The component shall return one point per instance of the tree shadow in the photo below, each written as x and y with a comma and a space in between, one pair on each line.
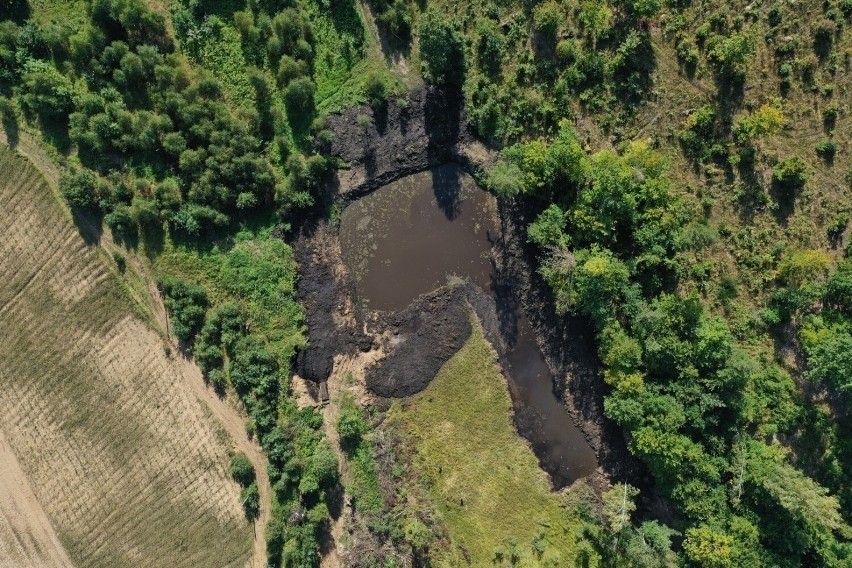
446, 186
89, 225
12, 129
785, 199
16, 10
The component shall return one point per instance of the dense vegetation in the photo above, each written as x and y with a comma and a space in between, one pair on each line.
687, 166
167, 155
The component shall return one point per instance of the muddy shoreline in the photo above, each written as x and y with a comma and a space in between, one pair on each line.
430, 132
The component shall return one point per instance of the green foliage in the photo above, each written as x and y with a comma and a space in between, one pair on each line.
705, 546
839, 287
731, 55
618, 506
397, 16
80, 188
299, 96
505, 179
548, 230
790, 174
547, 18
351, 426
186, 303
441, 48
765, 121
829, 357
242, 470
376, 89
45, 92
826, 149
698, 134
250, 499
120, 261
550, 170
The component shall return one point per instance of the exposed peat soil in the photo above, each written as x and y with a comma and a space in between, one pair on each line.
513, 303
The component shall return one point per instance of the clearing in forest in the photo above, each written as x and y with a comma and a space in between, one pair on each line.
125, 460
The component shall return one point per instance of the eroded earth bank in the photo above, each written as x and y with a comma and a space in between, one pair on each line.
417, 248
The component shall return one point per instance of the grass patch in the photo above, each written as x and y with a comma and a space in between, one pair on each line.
363, 472
483, 478
66, 12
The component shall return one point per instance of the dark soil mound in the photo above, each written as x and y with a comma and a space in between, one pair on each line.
322, 292
398, 140
426, 335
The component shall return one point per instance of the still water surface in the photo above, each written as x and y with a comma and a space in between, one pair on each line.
407, 238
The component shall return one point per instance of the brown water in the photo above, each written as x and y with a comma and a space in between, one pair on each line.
410, 237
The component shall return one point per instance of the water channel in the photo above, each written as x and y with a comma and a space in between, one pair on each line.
407, 238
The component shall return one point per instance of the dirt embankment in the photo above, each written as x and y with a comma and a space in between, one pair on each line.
380, 145
420, 339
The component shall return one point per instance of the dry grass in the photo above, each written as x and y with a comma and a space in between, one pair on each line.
123, 456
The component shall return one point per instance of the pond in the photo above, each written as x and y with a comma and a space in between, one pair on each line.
407, 238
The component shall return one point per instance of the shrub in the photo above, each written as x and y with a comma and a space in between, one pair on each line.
299, 95
251, 501
397, 17
826, 149
186, 303
242, 470
46, 93
350, 426
505, 179
829, 115
790, 173
120, 221
839, 287
547, 17
731, 55
375, 89
289, 69
824, 37
79, 188
765, 121
120, 261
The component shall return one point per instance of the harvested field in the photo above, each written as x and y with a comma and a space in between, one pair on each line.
27, 538
128, 464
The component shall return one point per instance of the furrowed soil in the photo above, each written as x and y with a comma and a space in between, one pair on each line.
125, 460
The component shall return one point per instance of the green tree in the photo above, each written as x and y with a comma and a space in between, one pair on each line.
351, 425
441, 48
186, 303
619, 503
299, 95
708, 548
376, 89
242, 470
45, 92
505, 179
